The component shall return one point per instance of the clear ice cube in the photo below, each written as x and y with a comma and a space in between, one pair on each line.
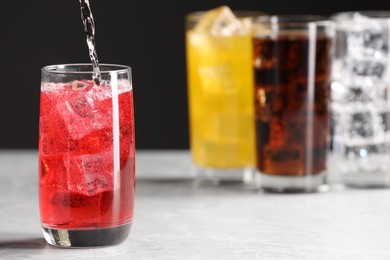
372, 158
221, 21
217, 79
85, 111
89, 174
373, 96
385, 118
364, 125
365, 151
52, 139
367, 68
364, 72
361, 125
356, 94
368, 42
359, 96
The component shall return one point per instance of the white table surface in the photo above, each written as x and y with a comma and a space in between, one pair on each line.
176, 220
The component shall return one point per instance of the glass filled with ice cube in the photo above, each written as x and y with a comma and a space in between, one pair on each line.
360, 99
220, 93
292, 62
86, 155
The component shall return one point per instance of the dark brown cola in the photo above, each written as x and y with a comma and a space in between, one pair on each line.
292, 120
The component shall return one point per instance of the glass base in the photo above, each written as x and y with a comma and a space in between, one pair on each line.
214, 176
87, 237
293, 184
366, 179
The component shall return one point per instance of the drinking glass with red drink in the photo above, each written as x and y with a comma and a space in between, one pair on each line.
86, 155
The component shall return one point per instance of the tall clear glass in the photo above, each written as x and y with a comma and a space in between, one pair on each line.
292, 62
86, 155
220, 93
360, 98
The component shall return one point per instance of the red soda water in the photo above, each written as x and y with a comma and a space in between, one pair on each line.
86, 161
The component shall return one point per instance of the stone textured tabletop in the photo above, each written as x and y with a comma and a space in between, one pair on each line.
176, 220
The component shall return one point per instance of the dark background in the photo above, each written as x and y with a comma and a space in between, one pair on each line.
147, 35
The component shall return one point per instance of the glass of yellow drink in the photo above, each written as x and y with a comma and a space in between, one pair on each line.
220, 93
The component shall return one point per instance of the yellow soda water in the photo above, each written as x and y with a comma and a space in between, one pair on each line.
221, 102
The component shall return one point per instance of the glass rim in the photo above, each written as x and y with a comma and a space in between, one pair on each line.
370, 14
194, 16
61, 68
296, 19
